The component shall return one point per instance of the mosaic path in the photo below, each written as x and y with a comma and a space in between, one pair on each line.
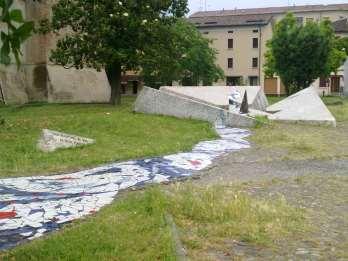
33, 206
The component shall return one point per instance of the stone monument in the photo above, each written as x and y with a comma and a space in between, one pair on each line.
53, 140
244, 107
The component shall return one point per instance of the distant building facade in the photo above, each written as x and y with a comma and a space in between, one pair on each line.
240, 37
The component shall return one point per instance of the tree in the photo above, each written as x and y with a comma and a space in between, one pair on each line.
299, 54
109, 34
341, 43
15, 32
338, 54
186, 57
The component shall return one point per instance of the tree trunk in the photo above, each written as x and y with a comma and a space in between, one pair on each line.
113, 72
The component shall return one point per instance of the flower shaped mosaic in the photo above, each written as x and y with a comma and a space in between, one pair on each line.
33, 206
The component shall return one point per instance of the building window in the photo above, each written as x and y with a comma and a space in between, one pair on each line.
326, 18
210, 22
299, 20
230, 62
255, 31
135, 87
123, 88
230, 32
234, 81
323, 82
205, 32
255, 42
230, 43
309, 19
253, 80
255, 62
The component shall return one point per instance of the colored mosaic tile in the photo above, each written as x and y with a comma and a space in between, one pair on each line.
33, 206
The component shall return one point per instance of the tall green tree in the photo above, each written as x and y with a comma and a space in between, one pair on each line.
109, 34
14, 32
186, 56
338, 54
299, 54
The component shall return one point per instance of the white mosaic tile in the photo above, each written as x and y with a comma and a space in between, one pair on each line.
33, 206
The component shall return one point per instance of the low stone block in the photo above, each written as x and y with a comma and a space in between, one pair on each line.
53, 140
159, 102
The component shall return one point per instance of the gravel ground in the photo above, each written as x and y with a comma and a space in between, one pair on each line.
260, 164
318, 186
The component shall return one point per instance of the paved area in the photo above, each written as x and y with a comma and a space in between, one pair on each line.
33, 206
303, 106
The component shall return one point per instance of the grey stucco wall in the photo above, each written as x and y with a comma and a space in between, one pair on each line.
77, 86
38, 79
54, 84
153, 101
13, 84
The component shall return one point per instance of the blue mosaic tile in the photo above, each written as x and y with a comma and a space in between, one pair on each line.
33, 206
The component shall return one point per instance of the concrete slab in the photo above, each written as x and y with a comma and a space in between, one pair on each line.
304, 106
160, 102
218, 95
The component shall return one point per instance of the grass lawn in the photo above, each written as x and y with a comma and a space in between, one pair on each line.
120, 134
298, 141
274, 99
135, 227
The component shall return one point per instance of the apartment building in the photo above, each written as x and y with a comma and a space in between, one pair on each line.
240, 36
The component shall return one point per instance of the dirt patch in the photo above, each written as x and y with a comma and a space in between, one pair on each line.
318, 186
257, 164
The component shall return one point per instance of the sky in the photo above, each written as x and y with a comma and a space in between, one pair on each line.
197, 5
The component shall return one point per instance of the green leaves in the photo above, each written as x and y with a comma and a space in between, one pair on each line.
5, 49
299, 54
18, 31
24, 31
16, 16
185, 56
105, 32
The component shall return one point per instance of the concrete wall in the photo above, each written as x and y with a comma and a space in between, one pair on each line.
13, 84
153, 101
77, 86
38, 79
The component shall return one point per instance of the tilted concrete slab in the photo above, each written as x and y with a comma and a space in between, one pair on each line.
218, 95
304, 106
160, 102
